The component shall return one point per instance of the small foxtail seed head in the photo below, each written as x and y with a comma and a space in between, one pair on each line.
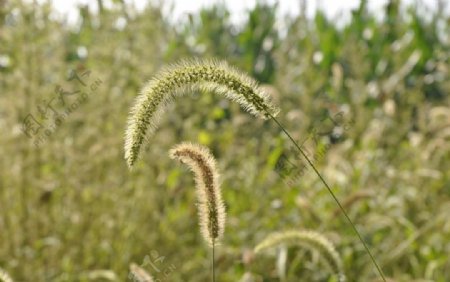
307, 239
139, 274
188, 76
211, 209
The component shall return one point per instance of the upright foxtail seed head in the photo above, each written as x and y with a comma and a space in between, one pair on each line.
211, 209
4, 276
307, 239
188, 76
139, 274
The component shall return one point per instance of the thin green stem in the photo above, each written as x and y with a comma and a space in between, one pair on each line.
213, 265
333, 195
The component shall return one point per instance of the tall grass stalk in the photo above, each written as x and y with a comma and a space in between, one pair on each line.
372, 258
217, 77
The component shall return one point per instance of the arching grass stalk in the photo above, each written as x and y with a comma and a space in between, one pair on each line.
182, 78
308, 239
372, 258
219, 78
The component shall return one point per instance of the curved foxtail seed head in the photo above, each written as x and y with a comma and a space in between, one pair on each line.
139, 274
188, 76
307, 239
4, 276
211, 209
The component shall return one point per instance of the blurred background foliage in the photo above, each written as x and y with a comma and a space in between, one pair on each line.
70, 210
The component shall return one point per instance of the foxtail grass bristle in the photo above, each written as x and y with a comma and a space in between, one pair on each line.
189, 76
308, 239
139, 274
4, 276
211, 209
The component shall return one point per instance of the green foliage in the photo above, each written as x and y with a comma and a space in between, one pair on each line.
71, 211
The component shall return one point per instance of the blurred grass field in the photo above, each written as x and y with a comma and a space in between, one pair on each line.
70, 210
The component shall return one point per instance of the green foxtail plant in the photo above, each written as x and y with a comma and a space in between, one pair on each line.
211, 209
217, 77
307, 239
186, 77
